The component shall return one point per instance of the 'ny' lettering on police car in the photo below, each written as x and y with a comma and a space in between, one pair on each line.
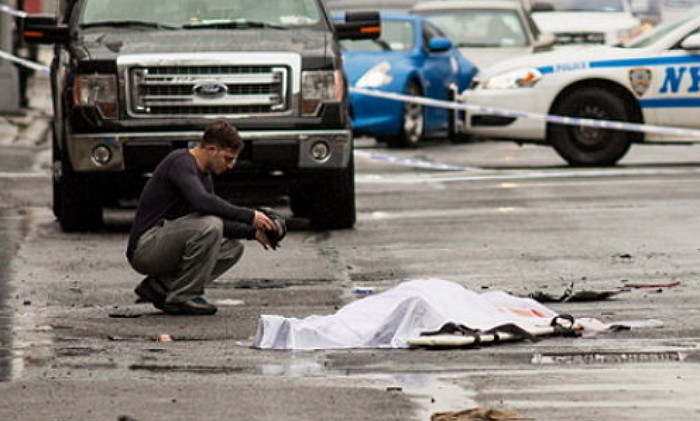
675, 75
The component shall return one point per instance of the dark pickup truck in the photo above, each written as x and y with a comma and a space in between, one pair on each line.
134, 79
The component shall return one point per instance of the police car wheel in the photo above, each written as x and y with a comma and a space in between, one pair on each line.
589, 146
412, 122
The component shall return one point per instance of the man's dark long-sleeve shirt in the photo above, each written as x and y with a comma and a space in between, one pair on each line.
177, 188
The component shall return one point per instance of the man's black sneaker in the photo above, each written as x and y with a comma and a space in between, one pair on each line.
194, 307
147, 293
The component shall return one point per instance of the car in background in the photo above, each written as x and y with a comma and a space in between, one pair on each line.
648, 11
589, 22
651, 80
675, 9
412, 57
396, 6
486, 31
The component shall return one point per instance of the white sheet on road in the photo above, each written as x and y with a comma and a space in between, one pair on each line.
389, 319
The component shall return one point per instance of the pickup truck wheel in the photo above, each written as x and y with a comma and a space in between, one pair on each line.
412, 122
333, 203
80, 209
589, 146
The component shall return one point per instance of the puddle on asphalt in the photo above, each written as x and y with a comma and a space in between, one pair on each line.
431, 392
298, 368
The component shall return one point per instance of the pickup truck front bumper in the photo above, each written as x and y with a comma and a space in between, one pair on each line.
104, 152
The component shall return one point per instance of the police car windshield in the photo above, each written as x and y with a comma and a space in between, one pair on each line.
651, 37
202, 13
480, 27
587, 5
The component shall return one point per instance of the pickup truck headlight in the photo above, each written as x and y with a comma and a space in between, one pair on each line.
521, 78
320, 86
99, 91
376, 77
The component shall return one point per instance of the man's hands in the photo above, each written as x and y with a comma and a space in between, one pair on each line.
263, 240
269, 237
263, 222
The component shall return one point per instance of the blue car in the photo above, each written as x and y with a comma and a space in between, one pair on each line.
411, 57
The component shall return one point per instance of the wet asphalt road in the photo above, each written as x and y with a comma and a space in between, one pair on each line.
6, 344
75, 346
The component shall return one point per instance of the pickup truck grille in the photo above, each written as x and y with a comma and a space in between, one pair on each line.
208, 90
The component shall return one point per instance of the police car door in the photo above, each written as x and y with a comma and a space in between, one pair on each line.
676, 88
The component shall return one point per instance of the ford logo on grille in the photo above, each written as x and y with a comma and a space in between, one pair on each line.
210, 89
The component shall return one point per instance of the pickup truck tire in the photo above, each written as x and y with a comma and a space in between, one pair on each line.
330, 205
588, 146
412, 121
76, 201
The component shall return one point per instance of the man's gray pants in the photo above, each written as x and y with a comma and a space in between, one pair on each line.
185, 255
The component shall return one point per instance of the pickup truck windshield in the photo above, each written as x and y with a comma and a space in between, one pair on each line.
587, 5
205, 13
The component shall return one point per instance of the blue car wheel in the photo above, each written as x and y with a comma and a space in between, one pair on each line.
412, 122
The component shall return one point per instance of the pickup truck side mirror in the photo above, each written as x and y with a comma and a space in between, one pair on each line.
43, 29
359, 25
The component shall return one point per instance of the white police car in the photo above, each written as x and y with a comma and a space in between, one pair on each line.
652, 80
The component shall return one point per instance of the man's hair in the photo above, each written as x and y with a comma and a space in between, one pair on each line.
222, 134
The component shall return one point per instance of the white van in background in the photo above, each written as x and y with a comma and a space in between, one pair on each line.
649, 11
673, 9
588, 22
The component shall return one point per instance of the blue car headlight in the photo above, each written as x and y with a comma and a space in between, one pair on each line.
376, 77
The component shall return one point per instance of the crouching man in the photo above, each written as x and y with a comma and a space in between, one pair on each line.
184, 236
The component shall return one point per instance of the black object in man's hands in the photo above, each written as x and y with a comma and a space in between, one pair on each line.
276, 235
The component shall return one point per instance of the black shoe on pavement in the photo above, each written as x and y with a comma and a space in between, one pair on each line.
147, 293
194, 307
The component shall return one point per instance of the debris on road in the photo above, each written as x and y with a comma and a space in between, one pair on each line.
652, 285
479, 414
126, 314
361, 291
590, 325
570, 295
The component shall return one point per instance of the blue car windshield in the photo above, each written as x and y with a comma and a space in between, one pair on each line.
201, 13
397, 35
